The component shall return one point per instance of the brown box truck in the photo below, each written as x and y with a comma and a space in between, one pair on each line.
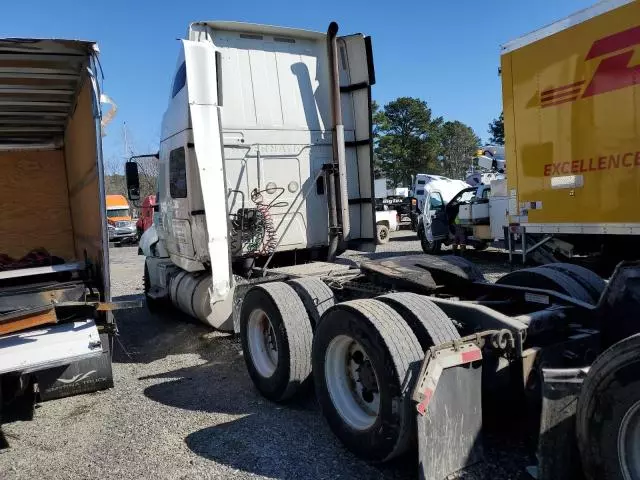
54, 268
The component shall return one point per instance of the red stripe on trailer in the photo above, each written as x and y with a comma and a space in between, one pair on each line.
562, 88
438, 362
471, 356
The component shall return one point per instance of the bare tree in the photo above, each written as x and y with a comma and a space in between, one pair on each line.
148, 174
458, 146
115, 181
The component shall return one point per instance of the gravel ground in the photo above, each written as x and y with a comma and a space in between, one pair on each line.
184, 408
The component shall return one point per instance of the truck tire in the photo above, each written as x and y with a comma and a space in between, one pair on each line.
152, 304
547, 279
608, 414
316, 296
430, 247
276, 336
427, 321
585, 277
382, 234
471, 271
362, 353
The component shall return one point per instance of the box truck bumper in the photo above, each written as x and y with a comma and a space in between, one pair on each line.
45, 348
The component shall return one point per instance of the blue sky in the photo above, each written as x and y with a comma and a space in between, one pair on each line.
445, 52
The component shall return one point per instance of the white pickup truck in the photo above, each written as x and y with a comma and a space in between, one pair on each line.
386, 222
481, 210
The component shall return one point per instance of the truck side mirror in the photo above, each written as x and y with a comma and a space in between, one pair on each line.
133, 180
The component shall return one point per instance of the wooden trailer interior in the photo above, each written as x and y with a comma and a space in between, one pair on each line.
34, 201
83, 181
49, 179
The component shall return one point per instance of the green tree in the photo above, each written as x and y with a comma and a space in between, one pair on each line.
496, 129
406, 139
458, 143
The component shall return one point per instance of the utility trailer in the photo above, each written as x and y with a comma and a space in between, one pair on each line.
403, 349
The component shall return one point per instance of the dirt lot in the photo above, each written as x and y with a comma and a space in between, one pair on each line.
184, 408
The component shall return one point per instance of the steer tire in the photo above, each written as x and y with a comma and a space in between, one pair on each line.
152, 304
394, 354
430, 247
316, 296
610, 393
589, 280
429, 323
292, 334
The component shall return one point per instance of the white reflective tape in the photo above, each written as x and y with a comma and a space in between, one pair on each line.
567, 181
536, 298
442, 360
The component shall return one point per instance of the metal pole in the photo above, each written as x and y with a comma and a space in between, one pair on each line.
259, 166
334, 238
339, 154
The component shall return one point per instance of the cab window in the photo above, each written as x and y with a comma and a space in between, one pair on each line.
180, 80
177, 174
435, 202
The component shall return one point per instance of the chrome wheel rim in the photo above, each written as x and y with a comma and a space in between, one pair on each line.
352, 382
263, 346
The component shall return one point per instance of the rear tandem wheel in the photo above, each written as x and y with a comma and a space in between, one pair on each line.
589, 280
362, 352
276, 336
547, 279
316, 296
608, 414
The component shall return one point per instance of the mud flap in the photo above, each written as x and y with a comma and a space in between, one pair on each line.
449, 416
83, 376
558, 455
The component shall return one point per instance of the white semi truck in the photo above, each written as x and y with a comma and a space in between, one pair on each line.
265, 166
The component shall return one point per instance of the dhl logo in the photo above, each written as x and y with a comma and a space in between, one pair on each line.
611, 74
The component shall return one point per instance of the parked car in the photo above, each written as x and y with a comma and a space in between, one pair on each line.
146, 215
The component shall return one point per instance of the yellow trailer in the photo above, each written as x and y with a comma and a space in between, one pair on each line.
571, 94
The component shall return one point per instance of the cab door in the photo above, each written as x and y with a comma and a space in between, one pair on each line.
175, 199
436, 212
